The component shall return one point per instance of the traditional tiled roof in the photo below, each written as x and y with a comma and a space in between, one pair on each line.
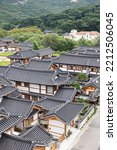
45, 51
6, 39
3, 69
95, 94
16, 106
38, 135
23, 54
86, 51
36, 76
3, 112
50, 103
8, 122
8, 142
18, 64
7, 87
4, 81
66, 112
65, 94
25, 44
39, 64
94, 82
70, 59
5, 90
15, 94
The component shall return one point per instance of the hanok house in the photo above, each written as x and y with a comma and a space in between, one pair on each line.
5, 42
34, 84
28, 112
3, 47
91, 86
41, 65
62, 118
78, 63
23, 56
83, 50
45, 53
8, 142
50, 103
7, 89
24, 46
91, 90
94, 97
40, 137
8, 122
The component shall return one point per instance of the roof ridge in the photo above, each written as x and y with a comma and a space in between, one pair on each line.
19, 99
17, 138
44, 71
31, 128
1, 75
73, 55
53, 99
62, 105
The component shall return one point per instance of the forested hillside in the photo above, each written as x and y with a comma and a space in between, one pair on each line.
81, 18
21, 9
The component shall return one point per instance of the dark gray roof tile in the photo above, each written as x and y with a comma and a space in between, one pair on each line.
94, 81
50, 103
15, 94
39, 64
37, 134
23, 54
8, 122
45, 51
36, 76
16, 106
3, 112
5, 90
65, 94
29, 76
4, 81
3, 69
66, 112
77, 60
8, 142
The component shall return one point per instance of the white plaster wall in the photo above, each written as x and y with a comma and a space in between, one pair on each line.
56, 127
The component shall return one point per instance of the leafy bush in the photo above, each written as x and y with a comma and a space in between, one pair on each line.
76, 85
82, 77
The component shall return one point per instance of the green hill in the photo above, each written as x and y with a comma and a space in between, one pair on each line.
21, 9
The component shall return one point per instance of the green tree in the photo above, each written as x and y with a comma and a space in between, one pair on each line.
8, 26
35, 45
57, 42
76, 85
3, 33
82, 77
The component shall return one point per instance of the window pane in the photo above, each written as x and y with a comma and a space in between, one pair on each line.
50, 89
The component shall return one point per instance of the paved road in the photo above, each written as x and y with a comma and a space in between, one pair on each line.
90, 140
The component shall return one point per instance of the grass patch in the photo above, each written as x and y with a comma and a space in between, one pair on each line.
4, 63
6, 54
56, 55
